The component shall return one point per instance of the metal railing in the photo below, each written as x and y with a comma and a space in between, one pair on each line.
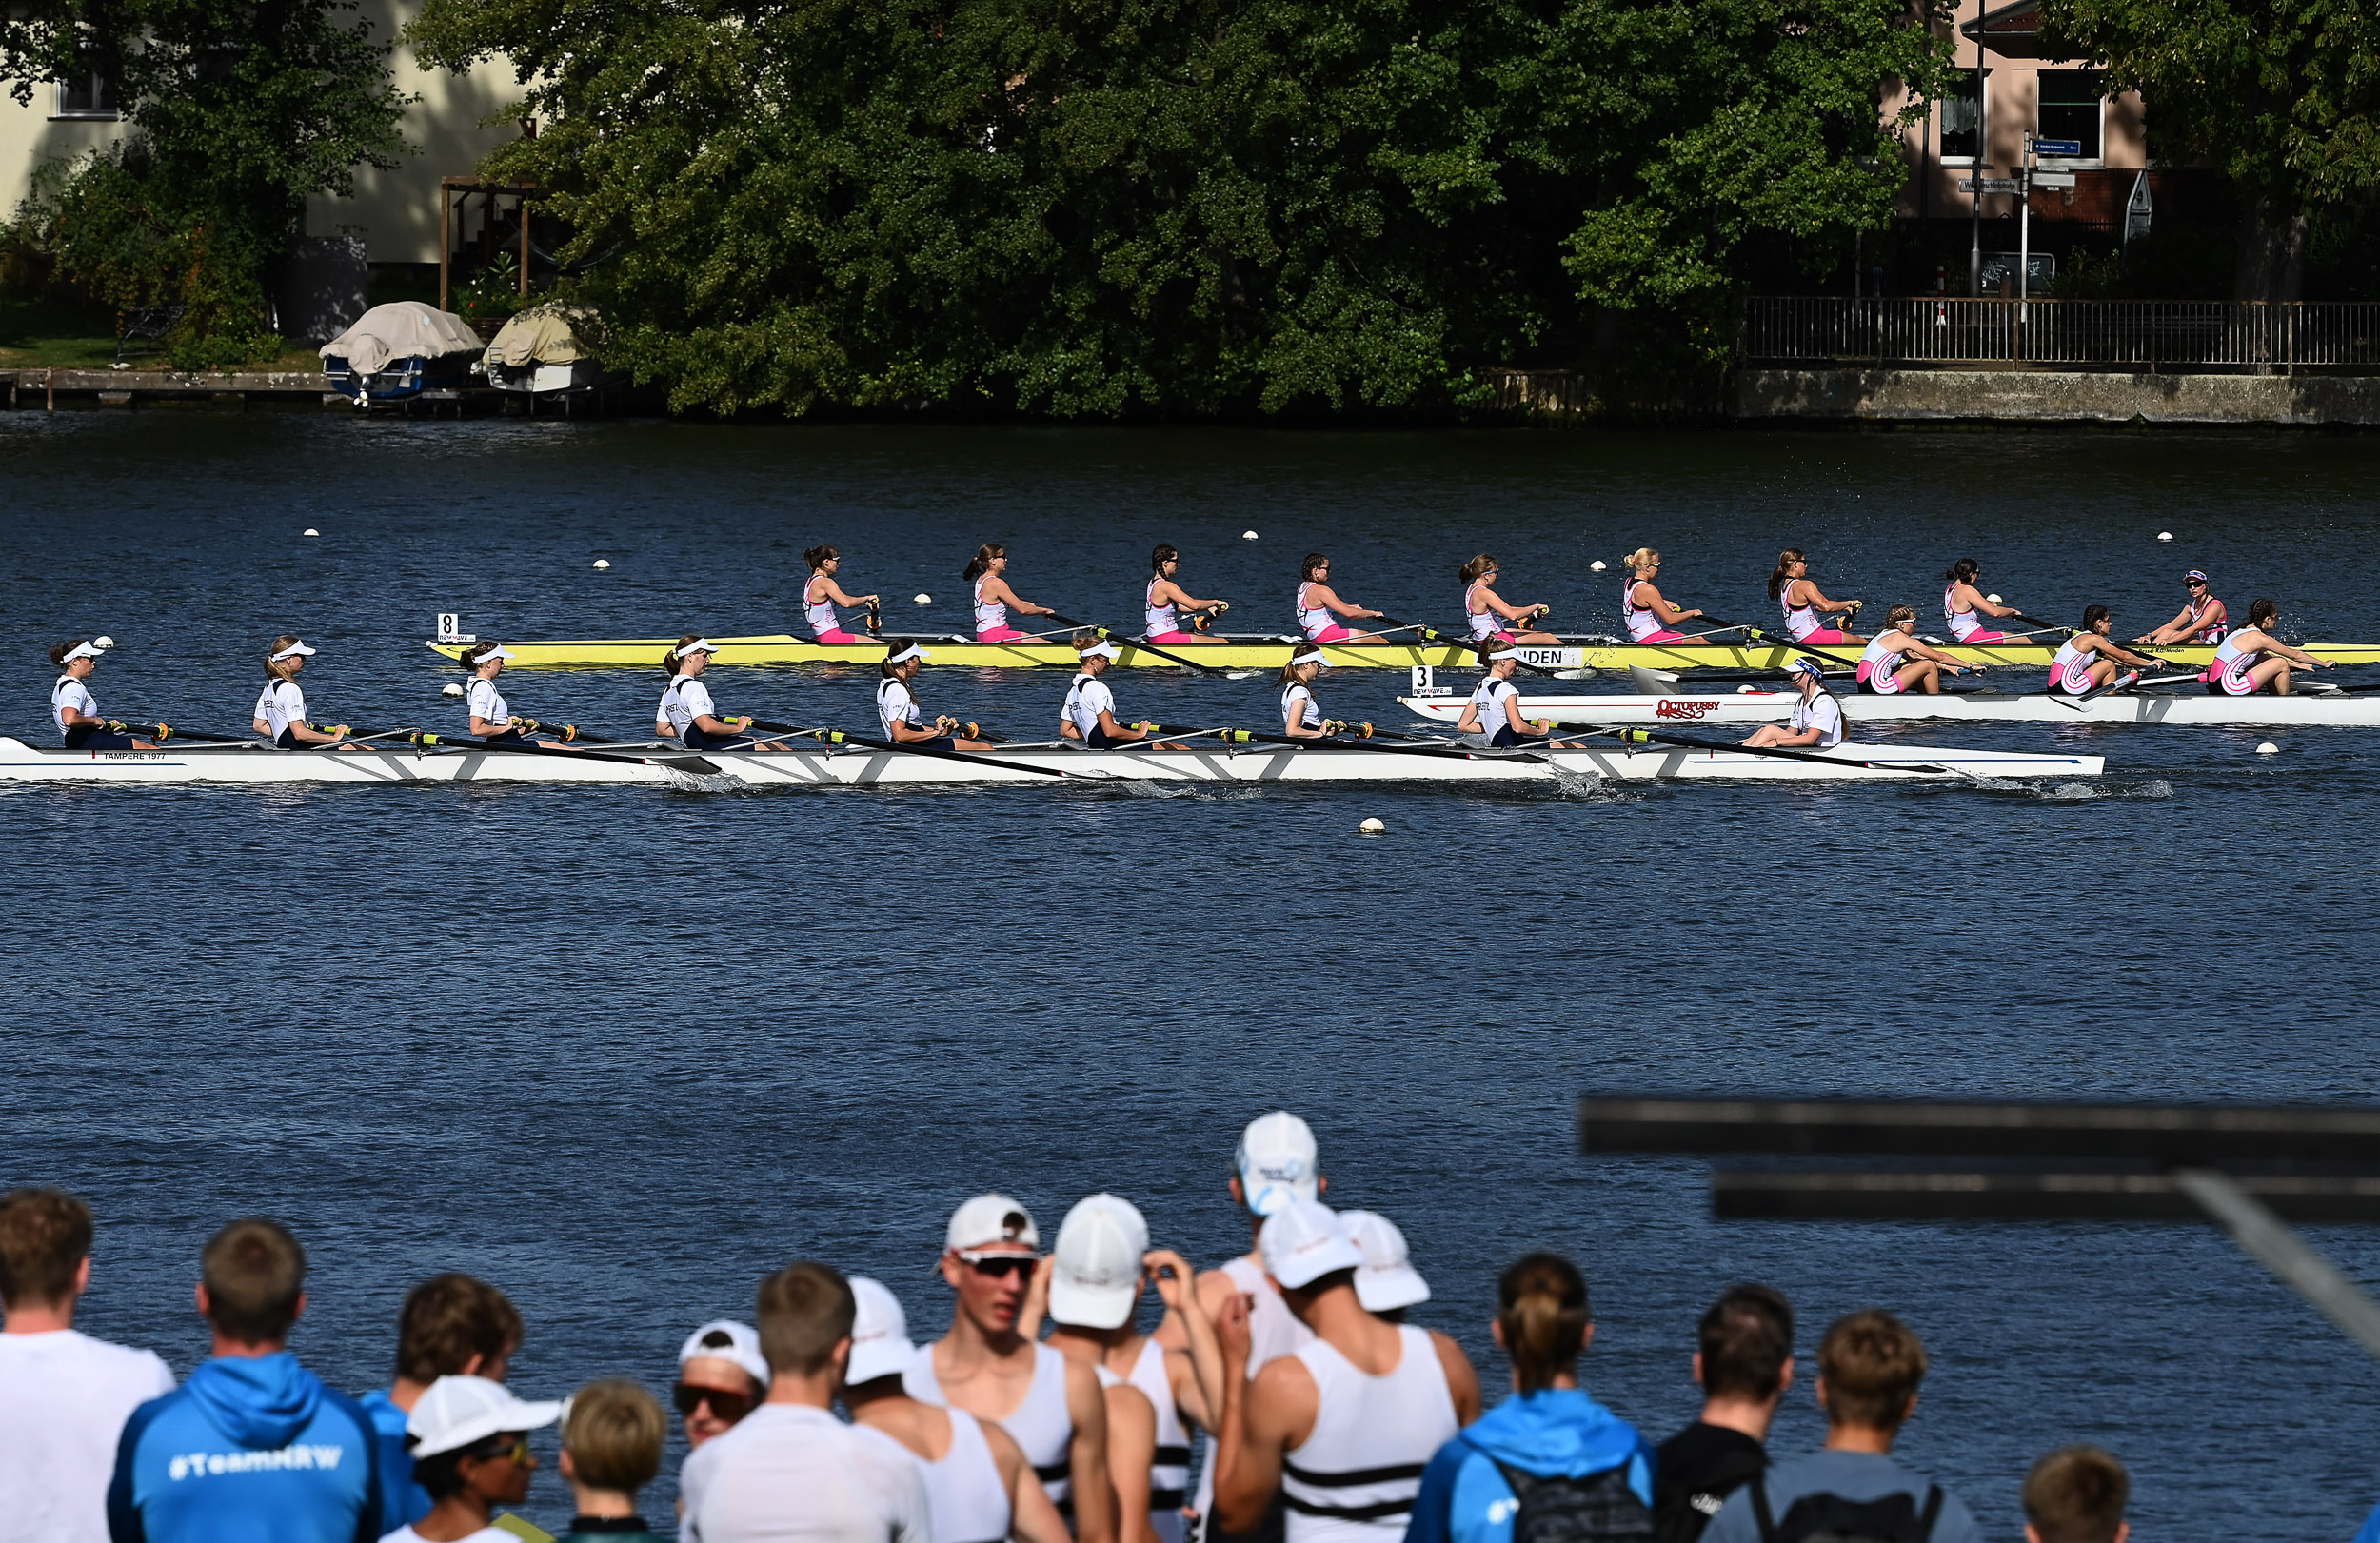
2153, 334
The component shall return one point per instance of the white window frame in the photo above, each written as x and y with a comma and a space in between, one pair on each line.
1983, 120
2082, 163
64, 113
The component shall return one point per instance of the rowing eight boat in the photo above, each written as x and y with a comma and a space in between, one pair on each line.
875, 768
1748, 705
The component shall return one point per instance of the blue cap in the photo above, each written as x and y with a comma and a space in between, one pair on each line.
1807, 666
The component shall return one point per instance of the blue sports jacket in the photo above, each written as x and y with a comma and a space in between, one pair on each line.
1553, 1433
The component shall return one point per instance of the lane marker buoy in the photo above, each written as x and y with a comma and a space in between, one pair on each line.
1595, 566
103, 643
312, 531
1247, 535
2268, 748
452, 688
1372, 826
601, 562
923, 599
2165, 535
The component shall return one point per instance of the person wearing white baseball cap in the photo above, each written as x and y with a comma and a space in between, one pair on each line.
281, 710
978, 1488
469, 1438
1343, 1427
1100, 1266
1386, 1283
988, 1367
72, 707
1089, 714
721, 1377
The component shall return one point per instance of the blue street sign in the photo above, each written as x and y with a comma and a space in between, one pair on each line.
2058, 147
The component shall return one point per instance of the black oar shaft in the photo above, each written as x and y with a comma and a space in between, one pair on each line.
1144, 646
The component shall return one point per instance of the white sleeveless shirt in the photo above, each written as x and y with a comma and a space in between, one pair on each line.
1353, 1479
71, 692
1315, 620
1273, 1333
820, 613
280, 705
1169, 1469
1156, 618
485, 701
1043, 1425
963, 1489
989, 616
1291, 694
1642, 624
1800, 620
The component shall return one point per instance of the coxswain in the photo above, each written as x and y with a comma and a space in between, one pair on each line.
687, 713
993, 597
2202, 618
1818, 720
492, 717
1963, 603
1494, 710
2090, 659
1301, 717
281, 710
897, 706
72, 707
820, 595
1090, 710
2253, 659
1900, 660
1806, 608
1486, 611
1316, 602
1650, 616
1165, 600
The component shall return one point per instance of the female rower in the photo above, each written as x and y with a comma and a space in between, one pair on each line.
1650, 617
897, 706
281, 711
820, 595
1495, 706
1882, 672
2251, 658
1818, 720
1161, 622
2076, 673
1805, 607
1300, 715
492, 717
2202, 618
1962, 601
687, 713
1316, 600
72, 707
993, 597
1090, 710
1485, 610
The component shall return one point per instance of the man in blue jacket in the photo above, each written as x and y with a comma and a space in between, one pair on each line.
253, 1448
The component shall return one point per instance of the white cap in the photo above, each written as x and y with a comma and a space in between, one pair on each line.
1096, 1279
904, 656
1103, 649
1388, 1278
90, 651
880, 1333
700, 646
1303, 1241
1278, 1163
297, 650
454, 1412
991, 1219
730, 1342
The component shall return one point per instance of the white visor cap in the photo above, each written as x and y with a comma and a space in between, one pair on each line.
730, 1342
904, 655
83, 650
880, 1333
1303, 1241
1387, 1278
295, 650
1278, 1163
1310, 657
700, 646
499, 651
991, 1219
455, 1411
1103, 649
1095, 1282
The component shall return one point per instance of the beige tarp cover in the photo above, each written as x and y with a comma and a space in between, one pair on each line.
540, 335
399, 331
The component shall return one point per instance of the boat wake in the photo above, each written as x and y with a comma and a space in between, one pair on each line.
2156, 787
687, 781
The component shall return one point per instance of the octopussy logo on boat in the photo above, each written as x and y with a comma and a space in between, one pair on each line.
1680, 707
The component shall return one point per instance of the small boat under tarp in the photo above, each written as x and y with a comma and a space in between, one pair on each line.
542, 350
397, 351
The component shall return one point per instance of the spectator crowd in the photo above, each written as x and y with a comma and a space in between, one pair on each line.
1326, 1416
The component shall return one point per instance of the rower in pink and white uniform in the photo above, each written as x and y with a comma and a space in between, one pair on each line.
2254, 660
1161, 605
1899, 660
820, 595
1963, 604
2202, 619
993, 597
1316, 602
1806, 608
1486, 611
1650, 616
2090, 659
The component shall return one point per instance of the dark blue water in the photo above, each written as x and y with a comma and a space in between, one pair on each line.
622, 1051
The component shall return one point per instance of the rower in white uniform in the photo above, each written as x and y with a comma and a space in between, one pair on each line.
1899, 660
1494, 710
1318, 603
988, 572
820, 595
2202, 618
1818, 720
1089, 713
1343, 1427
281, 710
2254, 659
1164, 601
978, 1488
72, 707
897, 705
1805, 604
492, 717
1648, 613
1964, 605
2090, 659
1056, 1409
686, 712
1300, 715
1094, 1280
1487, 613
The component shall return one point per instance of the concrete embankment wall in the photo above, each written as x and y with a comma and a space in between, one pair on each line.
2049, 395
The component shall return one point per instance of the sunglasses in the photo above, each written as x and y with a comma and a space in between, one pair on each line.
518, 1452
2193, 584
993, 1266
731, 1407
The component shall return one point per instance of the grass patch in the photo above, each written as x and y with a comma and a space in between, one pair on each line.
43, 331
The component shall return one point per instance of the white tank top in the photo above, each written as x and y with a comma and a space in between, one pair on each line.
821, 612
2070, 671
963, 1494
1877, 667
1084, 702
1273, 1333
1642, 622
1489, 695
1291, 694
485, 701
1169, 1470
1156, 618
1316, 620
1355, 1479
2231, 667
1041, 1425
687, 700
71, 692
280, 705
989, 617
1800, 620
894, 705
2197, 609
1963, 624
1485, 623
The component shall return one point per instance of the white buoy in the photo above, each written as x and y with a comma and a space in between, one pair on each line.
922, 598
452, 688
103, 643
1372, 826
2268, 748
1994, 599
2165, 535
1247, 535
1595, 566
312, 531
601, 562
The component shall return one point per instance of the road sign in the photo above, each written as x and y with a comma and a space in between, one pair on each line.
1990, 185
2058, 147
2053, 179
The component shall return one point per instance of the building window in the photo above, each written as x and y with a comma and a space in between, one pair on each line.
87, 96
1962, 119
2070, 109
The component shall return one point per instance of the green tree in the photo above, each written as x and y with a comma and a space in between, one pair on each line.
240, 110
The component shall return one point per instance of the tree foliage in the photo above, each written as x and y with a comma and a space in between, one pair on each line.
1113, 207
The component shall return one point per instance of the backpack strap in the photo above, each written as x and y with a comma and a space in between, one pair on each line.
1934, 1510
1760, 1511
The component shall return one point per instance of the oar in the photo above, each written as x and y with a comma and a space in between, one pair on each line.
1755, 635
1646, 736
964, 731
163, 732
1152, 649
1247, 736
838, 736
465, 741
1434, 635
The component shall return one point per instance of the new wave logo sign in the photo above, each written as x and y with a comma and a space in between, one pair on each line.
300, 1455
1682, 710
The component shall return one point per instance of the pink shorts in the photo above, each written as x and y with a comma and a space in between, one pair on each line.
1665, 635
1981, 639
1001, 635
838, 635
1334, 633
1824, 635
1163, 638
